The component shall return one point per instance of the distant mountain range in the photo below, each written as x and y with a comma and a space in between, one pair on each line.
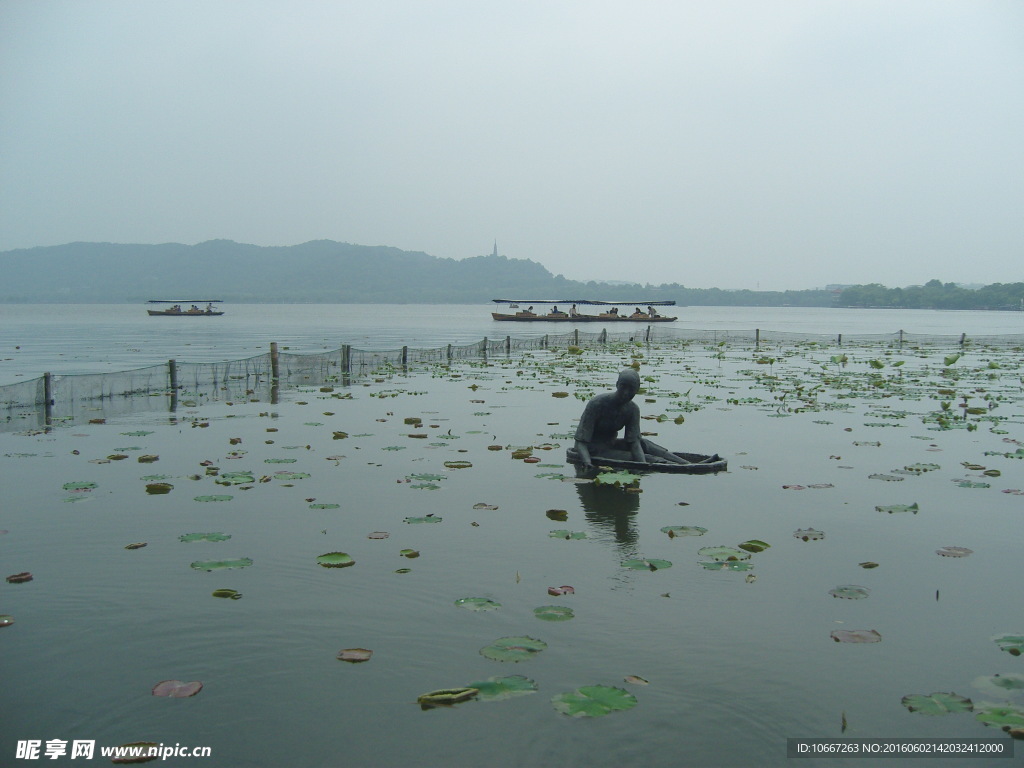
320, 271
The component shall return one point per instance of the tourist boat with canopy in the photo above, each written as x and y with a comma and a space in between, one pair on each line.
195, 308
608, 311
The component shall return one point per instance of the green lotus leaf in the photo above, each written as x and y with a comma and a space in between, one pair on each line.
728, 565
972, 484
335, 560
498, 688
920, 468
912, 508
419, 520
593, 701
426, 486
723, 553
477, 604
279, 461
616, 478
684, 530
1012, 644
887, 478
223, 497
458, 464
204, 537
230, 594
954, 551
137, 433
220, 565
553, 613
514, 649
289, 476
409, 553
324, 506
155, 478
1000, 684
80, 486
1002, 717
808, 534
428, 477
850, 592
237, 478
937, 703
640, 564
158, 488
567, 534
754, 545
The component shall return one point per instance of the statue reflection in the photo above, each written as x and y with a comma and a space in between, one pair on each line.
611, 512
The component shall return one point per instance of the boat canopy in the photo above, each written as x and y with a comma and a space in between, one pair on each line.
185, 301
644, 303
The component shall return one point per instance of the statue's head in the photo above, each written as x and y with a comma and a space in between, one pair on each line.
628, 383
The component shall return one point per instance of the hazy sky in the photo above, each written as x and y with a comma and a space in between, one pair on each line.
737, 144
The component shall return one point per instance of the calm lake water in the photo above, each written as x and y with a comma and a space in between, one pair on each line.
860, 451
90, 338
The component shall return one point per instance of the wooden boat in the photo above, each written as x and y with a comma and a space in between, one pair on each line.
194, 310
700, 463
557, 315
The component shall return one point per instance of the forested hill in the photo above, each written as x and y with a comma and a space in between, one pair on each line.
324, 271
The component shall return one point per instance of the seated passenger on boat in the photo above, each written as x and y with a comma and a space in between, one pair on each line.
607, 413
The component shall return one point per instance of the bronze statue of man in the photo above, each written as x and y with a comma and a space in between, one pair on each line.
607, 413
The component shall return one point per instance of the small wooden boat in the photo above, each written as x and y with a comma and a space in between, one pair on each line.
700, 463
194, 310
557, 315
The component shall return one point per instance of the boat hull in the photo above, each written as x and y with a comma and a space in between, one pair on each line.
564, 318
695, 468
168, 313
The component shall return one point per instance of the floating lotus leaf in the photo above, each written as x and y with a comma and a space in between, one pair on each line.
514, 649
722, 554
498, 688
522, 453
378, 535
230, 594
1000, 684
684, 530
567, 534
937, 703
222, 497
1002, 717
483, 505
237, 478
477, 604
219, 565
887, 478
972, 484
147, 459
728, 565
446, 697
81, 486
458, 464
593, 701
137, 752
159, 488
912, 508
289, 476
754, 545
868, 564
325, 506
921, 468
954, 551
560, 515
136, 545
640, 564
856, 636
950, 359
426, 486
419, 520
808, 534
553, 613
355, 655
410, 553
850, 592
204, 537
1012, 644
616, 478
137, 433
335, 560
176, 689
279, 461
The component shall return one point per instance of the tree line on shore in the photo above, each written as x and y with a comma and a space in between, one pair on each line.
324, 271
